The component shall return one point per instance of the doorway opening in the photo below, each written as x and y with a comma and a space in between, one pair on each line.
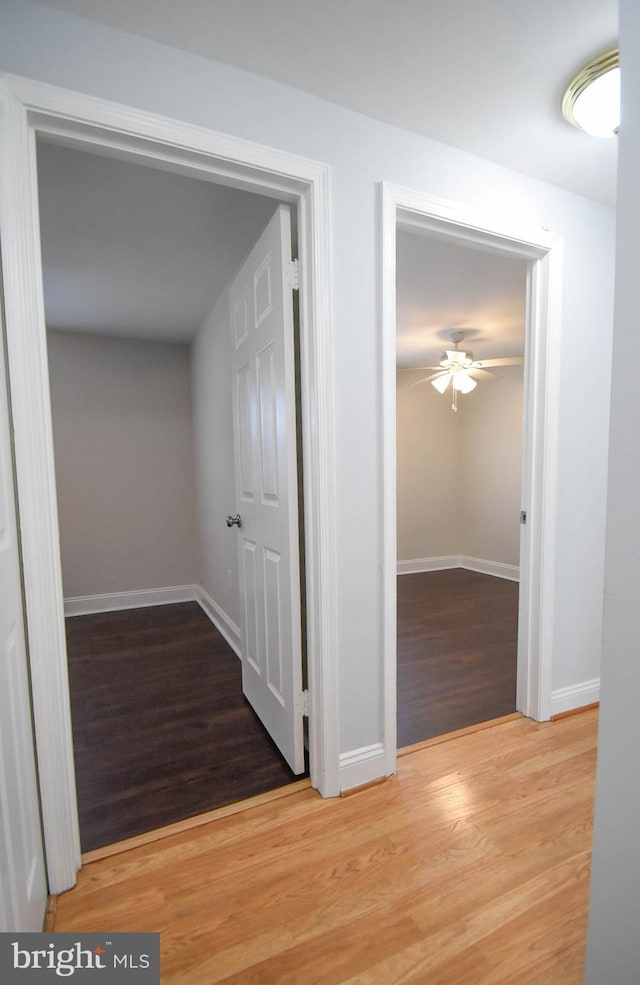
460, 322
137, 269
405, 210
39, 111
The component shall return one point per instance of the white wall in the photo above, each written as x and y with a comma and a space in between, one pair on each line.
68, 51
215, 480
458, 480
613, 947
124, 463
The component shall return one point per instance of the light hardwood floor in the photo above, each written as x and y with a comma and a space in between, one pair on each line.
470, 867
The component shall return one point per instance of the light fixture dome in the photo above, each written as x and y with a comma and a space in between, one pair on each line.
592, 98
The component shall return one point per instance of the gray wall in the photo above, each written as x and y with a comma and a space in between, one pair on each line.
459, 474
491, 456
124, 463
65, 50
613, 949
215, 481
428, 471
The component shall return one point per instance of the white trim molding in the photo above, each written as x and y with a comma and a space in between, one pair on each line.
223, 622
575, 696
511, 572
361, 766
84, 605
495, 568
502, 234
30, 110
417, 565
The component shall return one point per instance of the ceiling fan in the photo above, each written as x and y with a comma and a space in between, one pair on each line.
459, 368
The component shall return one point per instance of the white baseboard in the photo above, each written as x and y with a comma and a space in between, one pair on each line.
576, 696
115, 601
223, 623
362, 766
420, 564
495, 568
87, 604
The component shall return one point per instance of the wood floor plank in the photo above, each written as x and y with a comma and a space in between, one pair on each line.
470, 866
161, 729
457, 647
154, 745
150, 837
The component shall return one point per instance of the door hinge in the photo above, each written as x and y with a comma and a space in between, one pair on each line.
292, 275
304, 703
523, 517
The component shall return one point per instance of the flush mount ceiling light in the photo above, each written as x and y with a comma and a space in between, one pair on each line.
458, 368
592, 99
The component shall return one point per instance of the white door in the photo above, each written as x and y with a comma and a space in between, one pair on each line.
264, 424
23, 891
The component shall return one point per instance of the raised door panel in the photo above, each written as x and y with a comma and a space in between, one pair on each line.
251, 594
268, 430
246, 415
275, 645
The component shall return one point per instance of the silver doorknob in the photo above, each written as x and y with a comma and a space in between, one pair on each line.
234, 521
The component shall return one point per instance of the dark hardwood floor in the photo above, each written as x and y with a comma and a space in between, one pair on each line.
457, 647
160, 726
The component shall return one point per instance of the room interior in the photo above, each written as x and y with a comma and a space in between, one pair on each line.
136, 267
458, 486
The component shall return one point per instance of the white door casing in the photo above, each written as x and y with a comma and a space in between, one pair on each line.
30, 109
266, 478
23, 891
543, 249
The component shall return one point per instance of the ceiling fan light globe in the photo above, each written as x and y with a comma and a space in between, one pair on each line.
442, 382
463, 383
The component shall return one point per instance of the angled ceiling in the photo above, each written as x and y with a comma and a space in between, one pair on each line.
483, 75
136, 252
442, 286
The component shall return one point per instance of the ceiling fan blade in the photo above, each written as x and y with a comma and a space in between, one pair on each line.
484, 375
502, 361
427, 379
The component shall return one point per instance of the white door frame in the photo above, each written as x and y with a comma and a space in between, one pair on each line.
29, 109
450, 220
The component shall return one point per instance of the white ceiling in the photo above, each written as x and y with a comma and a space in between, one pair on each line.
442, 286
483, 75
137, 252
